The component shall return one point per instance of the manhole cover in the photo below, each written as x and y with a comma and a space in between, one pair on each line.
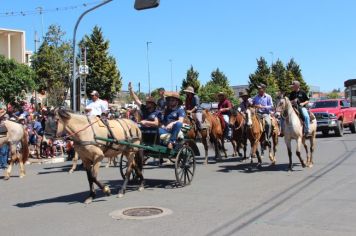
140, 213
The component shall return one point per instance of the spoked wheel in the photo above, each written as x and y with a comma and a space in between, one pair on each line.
123, 168
185, 165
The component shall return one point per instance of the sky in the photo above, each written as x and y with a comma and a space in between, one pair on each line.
227, 34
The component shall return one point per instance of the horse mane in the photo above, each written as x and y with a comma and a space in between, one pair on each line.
64, 114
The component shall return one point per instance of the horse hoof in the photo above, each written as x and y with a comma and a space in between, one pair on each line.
205, 163
88, 200
6, 177
141, 188
21, 176
310, 165
107, 190
71, 171
120, 195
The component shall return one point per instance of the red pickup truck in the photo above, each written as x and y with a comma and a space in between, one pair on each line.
334, 114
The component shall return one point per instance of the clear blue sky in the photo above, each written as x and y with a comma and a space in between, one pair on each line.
229, 34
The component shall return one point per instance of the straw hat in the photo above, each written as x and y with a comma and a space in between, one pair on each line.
152, 100
189, 89
176, 96
244, 94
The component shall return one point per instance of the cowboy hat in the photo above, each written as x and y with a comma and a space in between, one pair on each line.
152, 100
189, 89
243, 94
261, 86
176, 96
22, 117
94, 93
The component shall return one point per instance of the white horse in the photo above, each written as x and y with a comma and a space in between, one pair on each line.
293, 129
17, 139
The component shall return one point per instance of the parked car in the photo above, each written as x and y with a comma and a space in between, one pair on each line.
334, 114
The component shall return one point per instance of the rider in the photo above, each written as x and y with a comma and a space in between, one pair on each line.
97, 107
150, 115
224, 107
192, 105
264, 104
161, 102
172, 121
246, 101
300, 100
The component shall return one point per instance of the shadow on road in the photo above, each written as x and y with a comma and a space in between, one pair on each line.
252, 168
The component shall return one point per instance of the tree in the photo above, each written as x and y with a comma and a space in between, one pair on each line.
279, 73
14, 78
52, 65
296, 74
191, 80
218, 83
333, 95
259, 77
104, 75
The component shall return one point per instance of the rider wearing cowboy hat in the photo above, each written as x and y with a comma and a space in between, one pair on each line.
264, 104
192, 105
224, 107
246, 101
97, 107
172, 121
150, 115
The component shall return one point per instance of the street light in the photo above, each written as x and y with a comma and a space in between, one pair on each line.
148, 70
272, 59
171, 61
74, 81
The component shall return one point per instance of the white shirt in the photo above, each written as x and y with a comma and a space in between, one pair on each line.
97, 108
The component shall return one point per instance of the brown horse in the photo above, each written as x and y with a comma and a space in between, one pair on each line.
216, 133
86, 133
239, 139
17, 139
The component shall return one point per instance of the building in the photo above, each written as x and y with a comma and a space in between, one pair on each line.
238, 89
350, 91
13, 45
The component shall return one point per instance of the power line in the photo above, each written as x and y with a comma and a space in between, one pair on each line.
44, 11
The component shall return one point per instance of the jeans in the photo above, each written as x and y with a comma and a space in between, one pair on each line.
306, 117
4, 154
174, 131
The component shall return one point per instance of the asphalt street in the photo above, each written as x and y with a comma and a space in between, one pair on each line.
225, 198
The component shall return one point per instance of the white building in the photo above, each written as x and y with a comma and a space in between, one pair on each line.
13, 45
238, 89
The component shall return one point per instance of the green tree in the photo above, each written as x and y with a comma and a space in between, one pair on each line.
191, 80
14, 78
52, 65
260, 76
333, 95
104, 75
218, 83
295, 73
280, 75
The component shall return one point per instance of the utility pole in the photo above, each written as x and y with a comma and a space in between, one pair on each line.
40, 11
170, 60
148, 70
36, 41
74, 76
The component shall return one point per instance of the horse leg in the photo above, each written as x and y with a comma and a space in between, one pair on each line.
312, 147
259, 159
22, 168
108, 163
94, 172
138, 168
234, 148
307, 151
130, 163
8, 170
92, 193
205, 143
217, 150
289, 147
74, 163
299, 142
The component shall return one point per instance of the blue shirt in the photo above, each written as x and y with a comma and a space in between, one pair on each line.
150, 116
266, 101
38, 127
173, 115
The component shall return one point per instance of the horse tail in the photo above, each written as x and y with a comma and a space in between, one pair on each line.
25, 148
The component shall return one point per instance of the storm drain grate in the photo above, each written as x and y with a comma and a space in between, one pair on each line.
140, 213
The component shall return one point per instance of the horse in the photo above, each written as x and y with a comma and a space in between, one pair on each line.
238, 125
204, 131
86, 132
17, 139
293, 129
216, 133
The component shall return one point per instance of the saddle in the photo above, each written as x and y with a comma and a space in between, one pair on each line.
3, 130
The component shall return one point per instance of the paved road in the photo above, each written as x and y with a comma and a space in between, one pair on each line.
226, 198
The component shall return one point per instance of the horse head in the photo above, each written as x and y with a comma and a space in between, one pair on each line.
55, 122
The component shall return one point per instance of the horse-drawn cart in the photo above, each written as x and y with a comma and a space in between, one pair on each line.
153, 146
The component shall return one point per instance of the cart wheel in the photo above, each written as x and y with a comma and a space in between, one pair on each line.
123, 168
185, 165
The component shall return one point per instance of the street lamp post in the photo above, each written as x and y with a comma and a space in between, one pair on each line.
148, 70
74, 81
171, 61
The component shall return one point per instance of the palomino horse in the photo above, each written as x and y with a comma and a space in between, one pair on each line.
293, 129
17, 139
86, 132
216, 133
